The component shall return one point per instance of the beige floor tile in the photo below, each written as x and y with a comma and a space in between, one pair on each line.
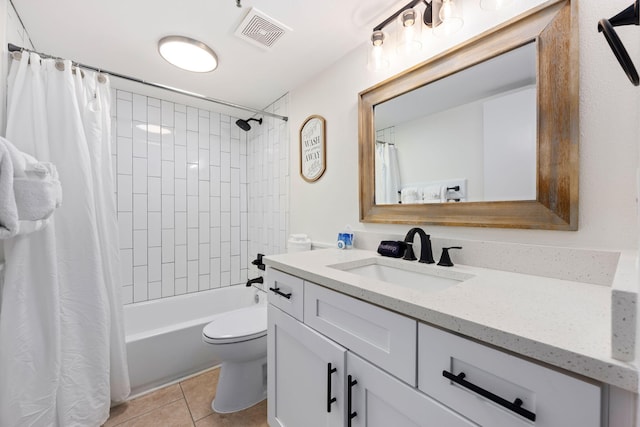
256, 416
174, 414
199, 392
143, 404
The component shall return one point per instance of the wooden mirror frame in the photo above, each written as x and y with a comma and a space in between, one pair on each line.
553, 25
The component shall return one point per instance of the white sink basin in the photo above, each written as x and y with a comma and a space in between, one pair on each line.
409, 274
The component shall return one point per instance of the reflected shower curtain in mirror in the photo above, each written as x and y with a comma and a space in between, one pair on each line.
387, 174
62, 349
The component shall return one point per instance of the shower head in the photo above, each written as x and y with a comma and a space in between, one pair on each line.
244, 124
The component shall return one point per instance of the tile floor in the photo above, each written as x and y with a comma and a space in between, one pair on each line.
187, 404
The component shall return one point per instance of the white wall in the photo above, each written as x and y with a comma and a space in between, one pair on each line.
510, 146
608, 141
454, 134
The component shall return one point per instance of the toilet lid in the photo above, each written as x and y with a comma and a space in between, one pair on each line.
238, 325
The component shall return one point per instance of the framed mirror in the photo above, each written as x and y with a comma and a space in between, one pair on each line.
485, 134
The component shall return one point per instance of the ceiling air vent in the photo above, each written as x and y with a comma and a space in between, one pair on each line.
260, 29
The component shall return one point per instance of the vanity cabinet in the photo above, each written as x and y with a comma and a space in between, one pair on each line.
302, 382
346, 362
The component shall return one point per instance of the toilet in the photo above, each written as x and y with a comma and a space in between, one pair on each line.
239, 338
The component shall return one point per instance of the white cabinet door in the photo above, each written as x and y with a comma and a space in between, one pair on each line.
379, 400
301, 383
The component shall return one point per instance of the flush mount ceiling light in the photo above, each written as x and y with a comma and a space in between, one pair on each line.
188, 54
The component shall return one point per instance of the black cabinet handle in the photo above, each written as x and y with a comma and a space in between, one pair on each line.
330, 400
282, 294
515, 406
350, 415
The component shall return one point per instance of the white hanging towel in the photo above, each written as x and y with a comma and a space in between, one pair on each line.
8, 208
36, 190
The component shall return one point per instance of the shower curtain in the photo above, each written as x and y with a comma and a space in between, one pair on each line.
387, 174
62, 350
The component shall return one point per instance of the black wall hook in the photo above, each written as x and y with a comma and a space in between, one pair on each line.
629, 16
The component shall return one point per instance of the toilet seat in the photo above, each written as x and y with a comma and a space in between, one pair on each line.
239, 325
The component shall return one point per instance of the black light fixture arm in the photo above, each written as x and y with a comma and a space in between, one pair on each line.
629, 16
412, 3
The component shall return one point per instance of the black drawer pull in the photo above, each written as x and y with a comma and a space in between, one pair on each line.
350, 415
282, 294
515, 406
330, 400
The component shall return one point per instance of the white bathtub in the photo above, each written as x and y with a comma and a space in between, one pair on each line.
163, 336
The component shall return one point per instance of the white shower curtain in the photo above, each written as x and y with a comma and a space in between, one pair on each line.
62, 352
387, 174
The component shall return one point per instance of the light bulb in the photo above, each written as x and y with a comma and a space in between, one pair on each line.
409, 32
377, 57
450, 19
448, 9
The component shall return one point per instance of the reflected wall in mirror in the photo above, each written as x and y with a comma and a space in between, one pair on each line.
491, 124
481, 120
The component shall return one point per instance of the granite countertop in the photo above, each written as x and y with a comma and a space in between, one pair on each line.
559, 322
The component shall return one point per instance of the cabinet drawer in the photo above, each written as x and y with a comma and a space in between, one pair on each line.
385, 338
553, 398
285, 292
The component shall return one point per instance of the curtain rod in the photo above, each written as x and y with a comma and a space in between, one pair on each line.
14, 48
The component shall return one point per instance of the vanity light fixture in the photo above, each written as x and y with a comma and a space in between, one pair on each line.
437, 13
188, 54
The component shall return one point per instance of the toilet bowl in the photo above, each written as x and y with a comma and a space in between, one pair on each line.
239, 338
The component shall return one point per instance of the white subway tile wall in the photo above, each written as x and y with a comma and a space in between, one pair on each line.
196, 200
267, 197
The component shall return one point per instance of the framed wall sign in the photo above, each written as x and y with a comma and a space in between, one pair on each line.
313, 148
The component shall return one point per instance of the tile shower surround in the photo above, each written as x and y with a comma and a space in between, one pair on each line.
182, 191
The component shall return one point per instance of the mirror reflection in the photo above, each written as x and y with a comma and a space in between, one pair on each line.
469, 137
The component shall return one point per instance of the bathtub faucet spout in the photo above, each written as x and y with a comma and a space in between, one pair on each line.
253, 281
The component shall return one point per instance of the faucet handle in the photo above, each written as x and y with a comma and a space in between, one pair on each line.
408, 254
445, 259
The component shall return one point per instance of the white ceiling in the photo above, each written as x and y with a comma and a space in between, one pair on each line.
122, 35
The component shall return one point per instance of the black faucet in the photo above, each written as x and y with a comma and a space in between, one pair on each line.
258, 262
426, 255
256, 280
445, 259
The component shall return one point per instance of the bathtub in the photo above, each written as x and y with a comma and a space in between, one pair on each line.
163, 336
